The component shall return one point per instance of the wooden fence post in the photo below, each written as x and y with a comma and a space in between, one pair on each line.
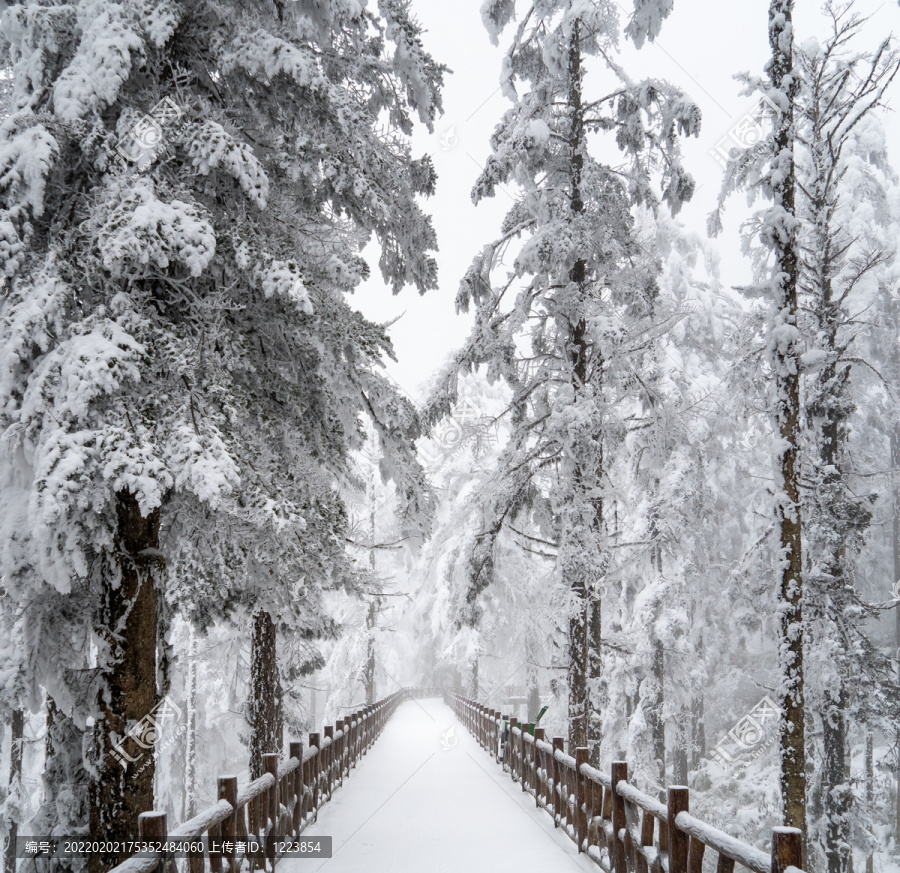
679, 801
538, 781
314, 763
582, 756
328, 763
526, 758
228, 790
619, 773
270, 809
558, 744
338, 729
787, 848
296, 751
152, 826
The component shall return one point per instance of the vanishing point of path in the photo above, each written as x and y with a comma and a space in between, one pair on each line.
423, 800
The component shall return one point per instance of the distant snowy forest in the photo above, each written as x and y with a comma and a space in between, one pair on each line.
664, 507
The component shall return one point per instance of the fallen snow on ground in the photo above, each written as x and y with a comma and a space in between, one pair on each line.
427, 799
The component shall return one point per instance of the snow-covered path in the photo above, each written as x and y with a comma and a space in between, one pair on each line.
412, 804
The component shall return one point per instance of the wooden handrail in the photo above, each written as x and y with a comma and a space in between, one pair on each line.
620, 827
281, 802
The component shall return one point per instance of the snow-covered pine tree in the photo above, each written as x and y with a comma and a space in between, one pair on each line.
185, 188
768, 169
561, 342
840, 264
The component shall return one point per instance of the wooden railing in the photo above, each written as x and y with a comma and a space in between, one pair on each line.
621, 828
281, 803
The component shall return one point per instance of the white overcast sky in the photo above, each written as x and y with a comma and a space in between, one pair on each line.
702, 45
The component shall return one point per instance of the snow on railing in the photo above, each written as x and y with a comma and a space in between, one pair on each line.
280, 803
621, 828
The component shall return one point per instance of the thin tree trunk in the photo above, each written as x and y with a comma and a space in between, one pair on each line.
787, 374
870, 788
371, 619
17, 732
189, 807
122, 787
655, 720
265, 703
837, 795
65, 782
895, 548
585, 625
698, 731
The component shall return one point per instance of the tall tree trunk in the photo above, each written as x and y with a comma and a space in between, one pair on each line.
837, 792
265, 703
122, 787
786, 359
895, 548
585, 625
189, 807
371, 619
698, 730
14, 783
654, 715
372, 616
870, 788
65, 782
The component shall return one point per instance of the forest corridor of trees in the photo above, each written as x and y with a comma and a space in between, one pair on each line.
652, 499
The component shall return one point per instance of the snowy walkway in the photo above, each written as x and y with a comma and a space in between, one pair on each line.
412, 805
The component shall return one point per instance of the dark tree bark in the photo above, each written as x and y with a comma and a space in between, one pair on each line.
585, 625
17, 732
698, 731
369, 677
64, 806
654, 714
189, 804
786, 354
127, 625
264, 710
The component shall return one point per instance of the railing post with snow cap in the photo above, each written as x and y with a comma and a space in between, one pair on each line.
269, 809
538, 781
558, 797
526, 760
619, 773
328, 763
787, 848
513, 722
228, 790
314, 772
152, 827
339, 729
678, 801
582, 756
296, 751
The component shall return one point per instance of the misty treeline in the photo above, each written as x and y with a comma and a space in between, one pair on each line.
663, 506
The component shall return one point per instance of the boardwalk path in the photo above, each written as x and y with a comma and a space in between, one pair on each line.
422, 800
